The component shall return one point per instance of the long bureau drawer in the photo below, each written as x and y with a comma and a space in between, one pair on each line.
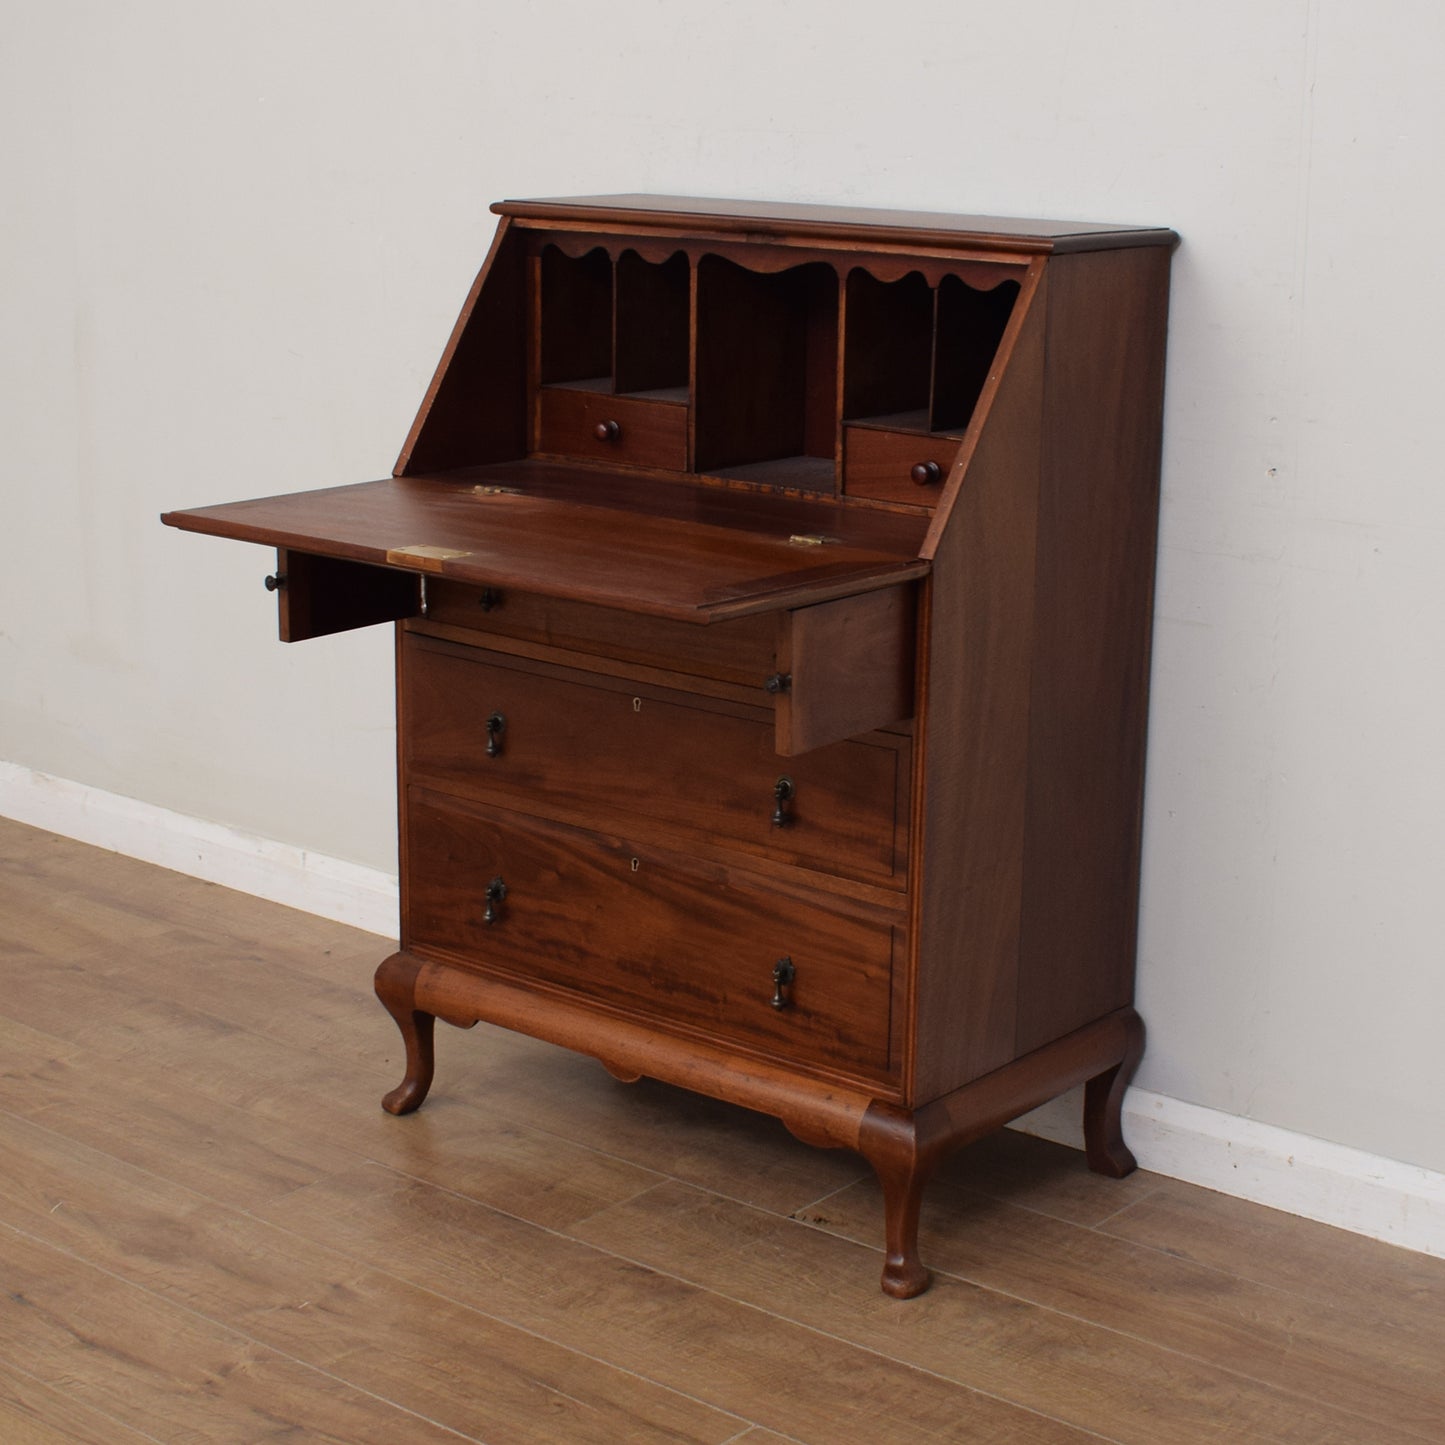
595, 750
673, 940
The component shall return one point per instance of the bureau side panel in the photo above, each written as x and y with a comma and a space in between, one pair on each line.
973, 731
475, 408
1099, 501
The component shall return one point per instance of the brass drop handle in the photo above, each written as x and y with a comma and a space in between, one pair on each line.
496, 726
496, 891
927, 474
783, 793
607, 431
275, 581
783, 975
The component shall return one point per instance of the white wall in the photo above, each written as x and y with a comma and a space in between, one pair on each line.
235, 237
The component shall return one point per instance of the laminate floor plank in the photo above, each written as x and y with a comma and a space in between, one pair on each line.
797, 1381
308, 1303
1366, 1278
159, 1368
1042, 1176
716, 1146
1389, 1376
37, 912
209, 1230
36, 1414
1095, 1378
243, 977
39, 869
224, 1140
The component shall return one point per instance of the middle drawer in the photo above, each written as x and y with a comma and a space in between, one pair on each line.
592, 750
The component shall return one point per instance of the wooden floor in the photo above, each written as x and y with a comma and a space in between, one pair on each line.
209, 1231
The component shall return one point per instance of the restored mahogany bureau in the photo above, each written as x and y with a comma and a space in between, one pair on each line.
773, 592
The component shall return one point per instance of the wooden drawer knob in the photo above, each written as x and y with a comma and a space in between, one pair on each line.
607, 431
927, 474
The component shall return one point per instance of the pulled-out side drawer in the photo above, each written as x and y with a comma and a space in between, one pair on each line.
598, 749
678, 942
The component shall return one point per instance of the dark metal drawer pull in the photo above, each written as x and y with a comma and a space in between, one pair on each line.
496, 726
783, 794
496, 891
783, 975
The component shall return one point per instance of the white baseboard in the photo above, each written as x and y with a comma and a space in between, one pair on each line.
345, 892
1365, 1193
1361, 1192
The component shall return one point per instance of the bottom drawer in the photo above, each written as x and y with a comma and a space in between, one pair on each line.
671, 940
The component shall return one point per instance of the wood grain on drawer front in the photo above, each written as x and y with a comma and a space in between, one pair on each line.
671, 939
638, 433
595, 749
879, 464
742, 651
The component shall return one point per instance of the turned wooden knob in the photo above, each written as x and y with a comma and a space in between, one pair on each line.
607, 431
927, 474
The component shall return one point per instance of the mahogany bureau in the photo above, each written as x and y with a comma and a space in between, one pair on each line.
773, 589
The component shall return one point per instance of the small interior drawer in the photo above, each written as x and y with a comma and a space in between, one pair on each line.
602, 427
887, 465
638, 929
595, 749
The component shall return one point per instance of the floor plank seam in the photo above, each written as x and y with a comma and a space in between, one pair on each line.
853, 1344
577, 1223
701, 1289
1257, 1301
492, 1316
238, 1332
821, 1200
260, 1219
1284, 1391
1098, 1224
92, 1409
563, 1234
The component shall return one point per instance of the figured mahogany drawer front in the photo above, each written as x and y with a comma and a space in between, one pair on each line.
593, 750
669, 938
598, 426
741, 651
896, 466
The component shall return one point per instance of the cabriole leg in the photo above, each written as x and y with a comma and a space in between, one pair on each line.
888, 1141
396, 988
1104, 1145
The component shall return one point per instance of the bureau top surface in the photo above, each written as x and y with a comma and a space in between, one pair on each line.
692, 553
851, 223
